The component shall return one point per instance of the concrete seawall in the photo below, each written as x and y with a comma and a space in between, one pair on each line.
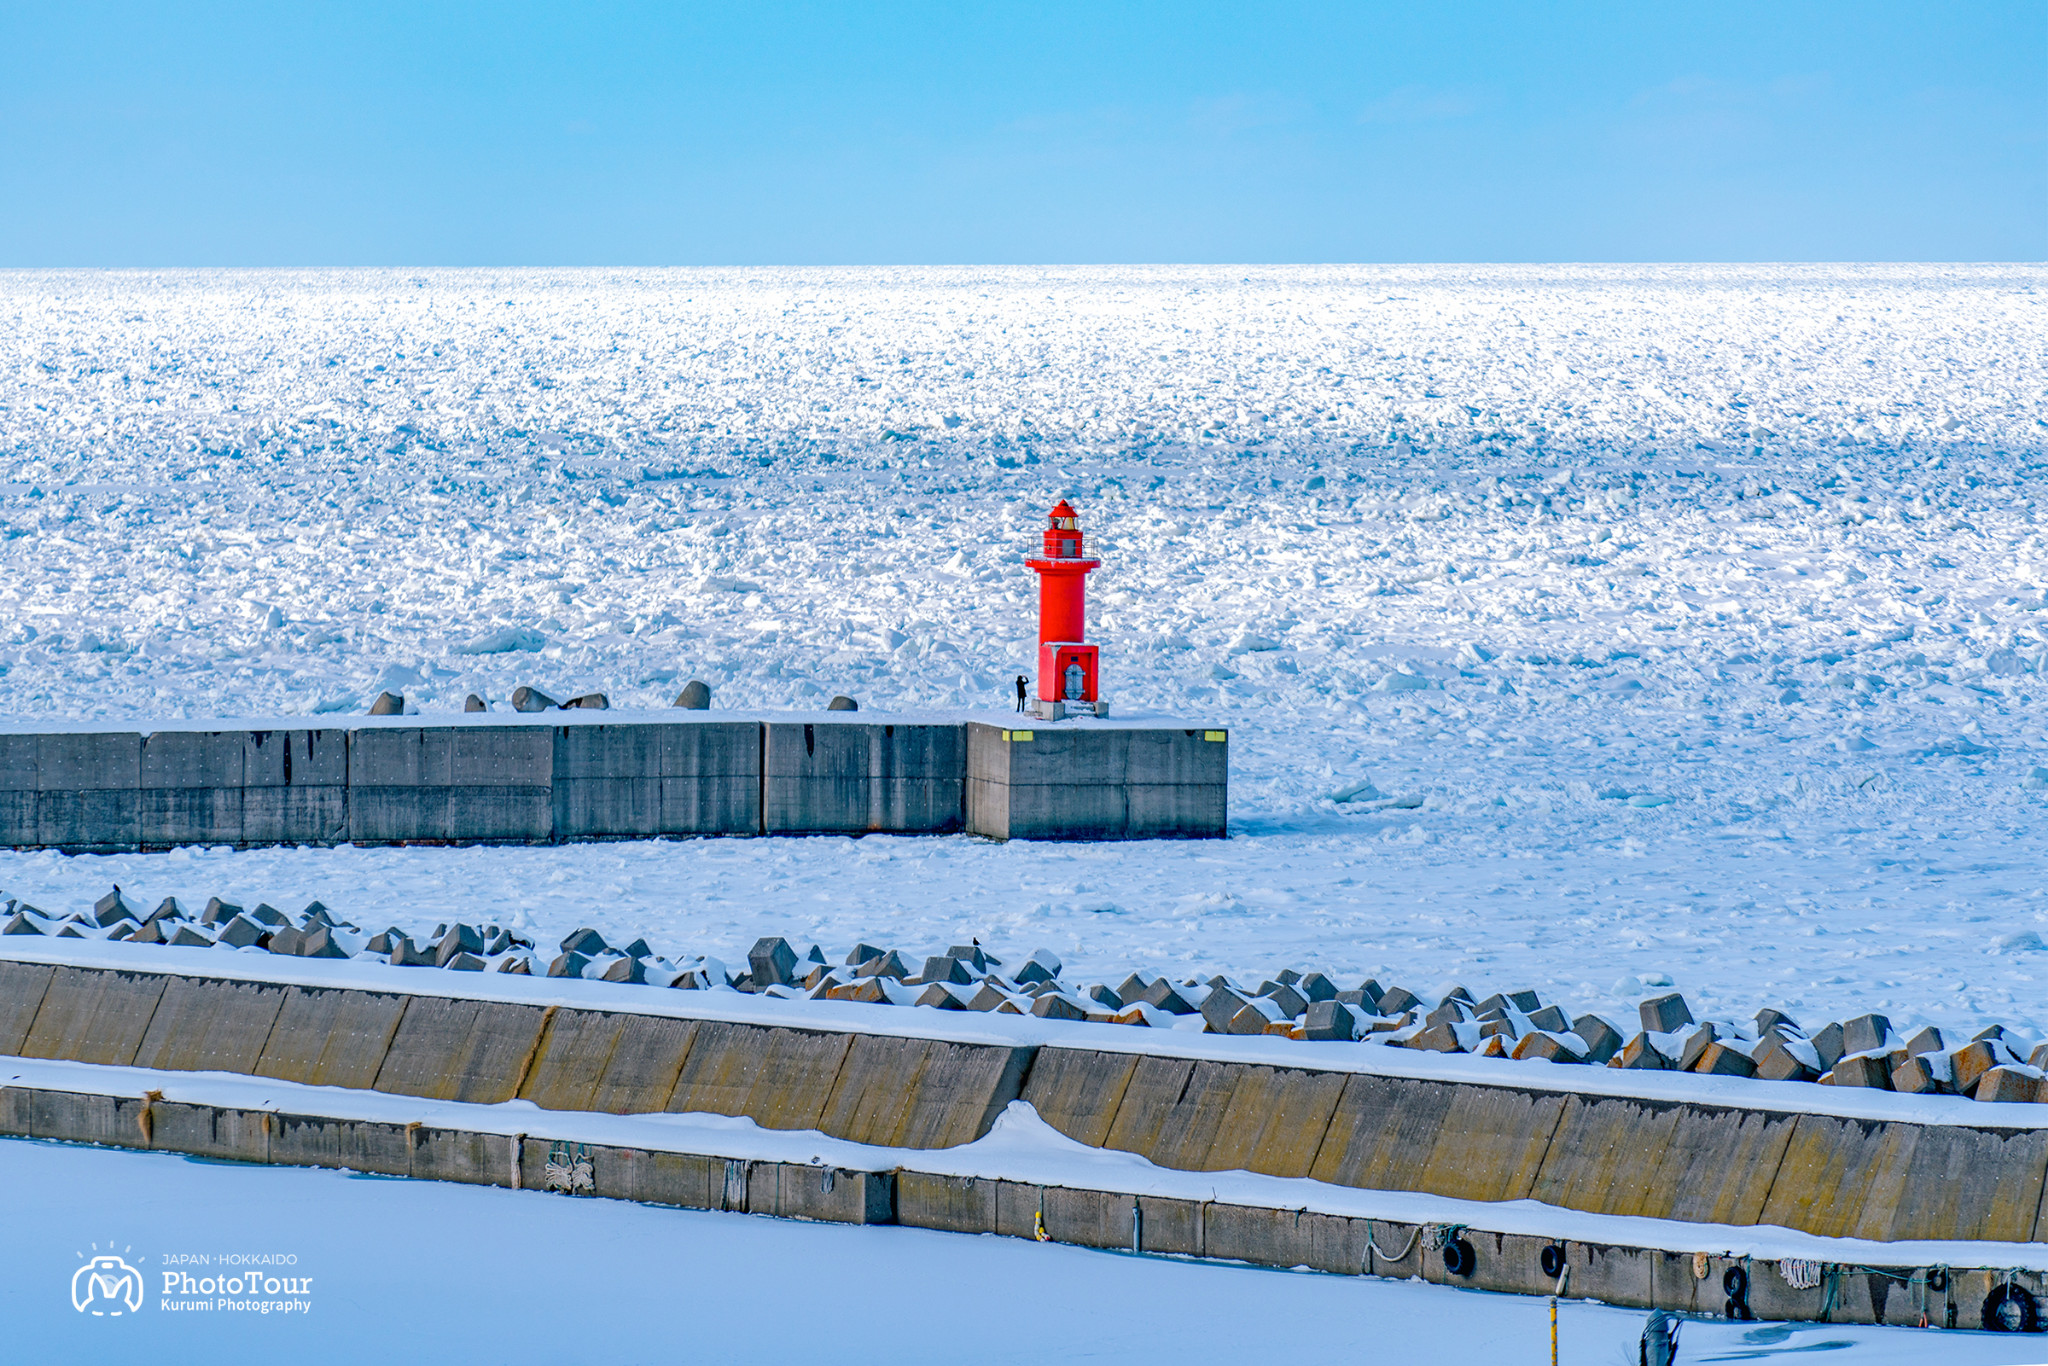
501, 781
1884, 1180
1617, 1271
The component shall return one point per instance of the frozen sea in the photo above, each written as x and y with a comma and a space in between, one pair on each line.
1577, 627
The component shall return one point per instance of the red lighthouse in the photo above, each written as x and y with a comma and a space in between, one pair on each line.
1067, 667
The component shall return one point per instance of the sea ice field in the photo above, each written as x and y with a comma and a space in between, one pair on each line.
1577, 628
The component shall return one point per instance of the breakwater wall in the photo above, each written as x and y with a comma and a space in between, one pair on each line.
399, 781
1917, 1176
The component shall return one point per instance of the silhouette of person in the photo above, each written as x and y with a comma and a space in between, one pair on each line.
1023, 685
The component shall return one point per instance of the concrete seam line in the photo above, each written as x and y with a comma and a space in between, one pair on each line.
42, 998
2040, 1198
1771, 1187
540, 1036
384, 1061
1536, 1171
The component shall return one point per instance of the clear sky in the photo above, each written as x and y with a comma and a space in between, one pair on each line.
418, 133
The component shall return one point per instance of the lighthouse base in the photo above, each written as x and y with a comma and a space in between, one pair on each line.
1112, 782
1060, 711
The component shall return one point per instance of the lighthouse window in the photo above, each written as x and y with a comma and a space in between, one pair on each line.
1066, 547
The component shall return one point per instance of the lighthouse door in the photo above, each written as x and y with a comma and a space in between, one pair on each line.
1077, 682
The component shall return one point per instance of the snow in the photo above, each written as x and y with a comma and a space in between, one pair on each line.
1755, 550
429, 1271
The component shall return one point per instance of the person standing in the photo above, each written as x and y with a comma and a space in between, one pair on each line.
1023, 689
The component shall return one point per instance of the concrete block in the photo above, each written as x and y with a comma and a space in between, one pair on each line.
241, 932
1827, 1044
87, 761
1095, 784
297, 814
18, 825
1665, 1014
1329, 1020
216, 1132
1172, 1109
1601, 1039
788, 1190
205, 1025
1539, 1046
1078, 1091
1055, 1006
1865, 1033
592, 808
953, 1204
93, 1015
772, 962
1219, 1007
18, 762
501, 756
1864, 1069
695, 696
1919, 1075
1776, 1061
945, 1094
528, 699
2007, 1084
779, 1078
461, 1155
95, 821
845, 778
1926, 1040
1970, 1062
460, 1050
22, 986
497, 814
623, 969
177, 759
1722, 1061
326, 1036
1274, 1121
1697, 1042
295, 758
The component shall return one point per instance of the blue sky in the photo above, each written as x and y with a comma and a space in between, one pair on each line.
619, 134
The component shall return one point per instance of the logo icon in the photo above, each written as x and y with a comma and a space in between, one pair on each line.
106, 1287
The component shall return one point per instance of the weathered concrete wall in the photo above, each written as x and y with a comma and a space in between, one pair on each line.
1345, 1245
850, 778
631, 779
1685, 1161
1097, 783
645, 779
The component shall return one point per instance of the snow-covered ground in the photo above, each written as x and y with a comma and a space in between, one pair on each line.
1701, 608
417, 1271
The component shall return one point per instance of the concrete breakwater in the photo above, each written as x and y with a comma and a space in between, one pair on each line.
1908, 1171
397, 780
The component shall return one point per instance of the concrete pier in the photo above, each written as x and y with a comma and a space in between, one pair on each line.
555, 778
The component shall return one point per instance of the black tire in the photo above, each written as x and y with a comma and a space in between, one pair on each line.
2010, 1309
1735, 1280
1458, 1258
1937, 1279
1553, 1261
